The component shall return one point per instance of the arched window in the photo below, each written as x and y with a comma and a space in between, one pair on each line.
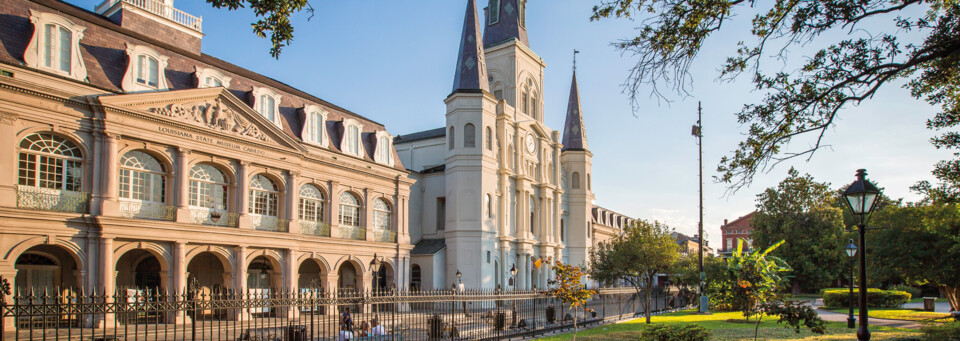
533, 105
268, 107
353, 140
381, 215
469, 136
50, 161
311, 203
489, 138
208, 187
267, 103
524, 101
148, 71
562, 231
415, 277
588, 182
142, 177
57, 47
451, 140
264, 196
488, 203
575, 181
349, 210
533, 213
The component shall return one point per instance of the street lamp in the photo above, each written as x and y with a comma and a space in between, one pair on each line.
851, 252
459, 274
861, 197
375, 267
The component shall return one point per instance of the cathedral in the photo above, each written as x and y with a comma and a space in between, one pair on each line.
496, 189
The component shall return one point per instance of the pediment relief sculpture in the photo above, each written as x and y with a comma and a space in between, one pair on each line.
212, 115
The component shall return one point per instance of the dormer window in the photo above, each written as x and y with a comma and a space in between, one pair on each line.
145, 70
210, 78
314, 122
55, 45
351, 138
384, 153
267, 103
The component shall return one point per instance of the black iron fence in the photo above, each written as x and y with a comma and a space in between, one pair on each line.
133, 314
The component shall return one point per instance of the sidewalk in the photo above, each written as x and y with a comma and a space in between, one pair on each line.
838, 317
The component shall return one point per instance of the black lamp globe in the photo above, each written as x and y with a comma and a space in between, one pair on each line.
513, 270
851, 249
861, 197
459, 274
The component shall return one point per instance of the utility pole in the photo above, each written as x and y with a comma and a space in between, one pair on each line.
698, 133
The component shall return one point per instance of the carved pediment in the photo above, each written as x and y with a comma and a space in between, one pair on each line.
211, 114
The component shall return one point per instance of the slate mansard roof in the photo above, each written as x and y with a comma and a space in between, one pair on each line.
103, 47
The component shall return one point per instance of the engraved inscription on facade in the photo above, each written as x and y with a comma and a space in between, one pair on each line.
212, 116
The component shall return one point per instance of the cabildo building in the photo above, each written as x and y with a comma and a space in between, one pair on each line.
131, 160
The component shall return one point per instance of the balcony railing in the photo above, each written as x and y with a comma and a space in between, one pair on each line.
352, 232
45, 199
314, 228
147, 210
269, 223
206, 216
385, 236
157, 7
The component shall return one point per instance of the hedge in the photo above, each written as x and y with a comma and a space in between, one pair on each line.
676, 332
876, 298
914, 292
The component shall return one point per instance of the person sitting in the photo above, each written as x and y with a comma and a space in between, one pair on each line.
345, 333
377, 328
364, 329
345, 318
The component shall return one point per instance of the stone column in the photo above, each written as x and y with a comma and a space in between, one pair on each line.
111, 182
367, 213
333, 209
292, 200
108, 275
181, 186
557, 215
331, 289
240, 280
179, 277
543, 231
243, 187
290, 277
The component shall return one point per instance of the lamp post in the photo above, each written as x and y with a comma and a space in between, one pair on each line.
861, 197
513, 276
851, 252
375, 264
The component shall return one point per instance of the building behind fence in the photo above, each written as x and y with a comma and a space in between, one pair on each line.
310, 315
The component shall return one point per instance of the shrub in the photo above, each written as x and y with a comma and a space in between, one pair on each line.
876, 298
914, 292
943, 332
676, 332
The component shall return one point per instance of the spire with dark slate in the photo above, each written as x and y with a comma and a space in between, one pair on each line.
510, 23
574, 136
471, 67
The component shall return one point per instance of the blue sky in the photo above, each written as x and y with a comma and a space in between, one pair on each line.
393, 62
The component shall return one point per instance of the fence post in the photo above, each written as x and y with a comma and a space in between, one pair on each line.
4, 291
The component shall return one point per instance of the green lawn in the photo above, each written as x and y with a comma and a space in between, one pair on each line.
899, 314
730, 326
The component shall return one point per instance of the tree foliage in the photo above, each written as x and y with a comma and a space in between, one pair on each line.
802, 211
842, 71
636, 256
751, 281
569, 290
918, 245
273, 18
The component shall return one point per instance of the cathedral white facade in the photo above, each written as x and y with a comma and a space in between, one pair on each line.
496, 188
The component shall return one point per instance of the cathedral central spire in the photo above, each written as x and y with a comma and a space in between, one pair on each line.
471, 71
506, 20
574, 136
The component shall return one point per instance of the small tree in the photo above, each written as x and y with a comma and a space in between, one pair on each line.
569, 290
636, 256
753, 280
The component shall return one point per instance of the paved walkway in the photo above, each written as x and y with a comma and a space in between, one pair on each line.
839, 317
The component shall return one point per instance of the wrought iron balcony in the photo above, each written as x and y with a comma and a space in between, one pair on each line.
147, 210
388, 236
159, 8
352, 232
269, 223
45, 199
206, 216
314, 228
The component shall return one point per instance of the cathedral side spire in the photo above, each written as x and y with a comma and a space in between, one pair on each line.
471, 71
574, 134
506, 20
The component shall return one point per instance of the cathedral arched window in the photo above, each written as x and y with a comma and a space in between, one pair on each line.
381, 215
489, 137
575, 180
488, 203
533, 105
142, 177
533, 213
524, 101
50, 161
469, 136
451, 140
